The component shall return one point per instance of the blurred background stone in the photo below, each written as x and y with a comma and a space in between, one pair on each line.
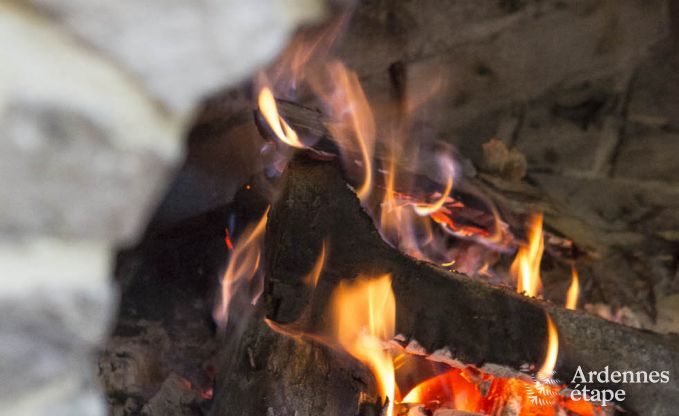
95, 99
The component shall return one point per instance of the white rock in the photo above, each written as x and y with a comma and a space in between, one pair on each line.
181, 50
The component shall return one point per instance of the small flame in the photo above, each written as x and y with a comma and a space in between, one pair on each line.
549, 364
242, 269
573, 290
427, 209
526, 265
269, 110
311, 279
365, 314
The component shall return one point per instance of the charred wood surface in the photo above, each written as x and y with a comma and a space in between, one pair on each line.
263, 372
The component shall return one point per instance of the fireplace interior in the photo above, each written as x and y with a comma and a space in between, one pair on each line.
403, 208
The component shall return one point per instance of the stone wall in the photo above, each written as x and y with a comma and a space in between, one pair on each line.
95, 97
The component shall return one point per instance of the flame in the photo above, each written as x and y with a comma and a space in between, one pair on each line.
352, 123
364, 313
428, 209
269, 110
526, 265
573, 290
451, 388
549, 364
242, 269
311, 279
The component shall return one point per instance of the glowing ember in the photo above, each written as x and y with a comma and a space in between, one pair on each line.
269, 110
473, 391
573, 290
365, 313
242, 269
526, 265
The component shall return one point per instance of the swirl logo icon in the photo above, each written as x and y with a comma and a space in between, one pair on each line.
543, 392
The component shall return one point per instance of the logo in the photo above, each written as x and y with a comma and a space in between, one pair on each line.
543, 392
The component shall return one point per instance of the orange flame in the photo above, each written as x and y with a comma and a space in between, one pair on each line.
243, 267
573, 290
352, 122
269, 110
549, 364
526, 265
428, 209
311, 279
365, 313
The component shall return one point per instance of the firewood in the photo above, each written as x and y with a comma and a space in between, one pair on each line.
452, 314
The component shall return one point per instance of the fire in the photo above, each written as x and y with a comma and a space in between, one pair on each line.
364, 315
243, 268
526, 265
428, 209
573, 290
549, 364
269, 110
352, 123
312, 278
471, 390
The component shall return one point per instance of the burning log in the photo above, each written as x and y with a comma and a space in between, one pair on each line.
445, 314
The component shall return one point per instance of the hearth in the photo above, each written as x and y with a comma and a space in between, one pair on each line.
366, 228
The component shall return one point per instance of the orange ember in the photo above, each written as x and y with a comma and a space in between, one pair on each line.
526, 265
472, 391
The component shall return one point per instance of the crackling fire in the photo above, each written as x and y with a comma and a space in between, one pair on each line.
416, 209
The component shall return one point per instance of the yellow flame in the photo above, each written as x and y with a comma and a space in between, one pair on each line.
365, 313
353, 122
243, 267
311, 279
427, 209
269, 110
573, 290
549, 364
526, 265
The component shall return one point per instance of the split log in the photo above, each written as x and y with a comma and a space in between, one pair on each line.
264, 372
476, 323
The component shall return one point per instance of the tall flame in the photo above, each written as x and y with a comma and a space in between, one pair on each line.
242, 269
549, 364
573, 290
352, 123
364, 313
526, 265
428, 209
269, 110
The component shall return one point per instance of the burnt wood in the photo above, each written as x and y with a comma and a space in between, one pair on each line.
478, 323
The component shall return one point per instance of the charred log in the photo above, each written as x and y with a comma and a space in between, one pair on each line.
474, 322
